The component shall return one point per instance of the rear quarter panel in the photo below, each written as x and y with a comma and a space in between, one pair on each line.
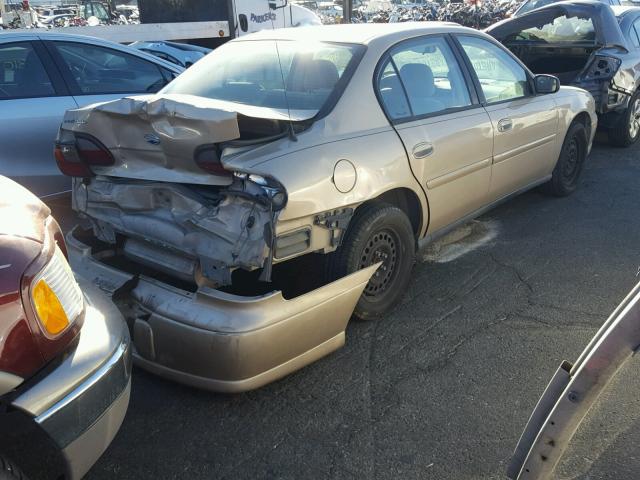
380, 164
356, 130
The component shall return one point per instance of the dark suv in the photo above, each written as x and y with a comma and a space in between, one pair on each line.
65, 361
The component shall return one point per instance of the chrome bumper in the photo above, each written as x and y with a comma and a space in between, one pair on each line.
223, 342
81, 404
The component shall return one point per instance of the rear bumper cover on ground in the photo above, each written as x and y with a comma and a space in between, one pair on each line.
82, 402
222, 342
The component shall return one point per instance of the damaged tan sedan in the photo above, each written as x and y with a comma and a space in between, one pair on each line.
282, 185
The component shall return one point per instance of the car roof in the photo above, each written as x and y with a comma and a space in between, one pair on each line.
620, 10
362, 33
48, 35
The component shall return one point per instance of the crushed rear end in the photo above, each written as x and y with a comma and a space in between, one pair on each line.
580, 42
185, 248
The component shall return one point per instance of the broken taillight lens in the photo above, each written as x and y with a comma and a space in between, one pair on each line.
207, 159
75, 154
601, 68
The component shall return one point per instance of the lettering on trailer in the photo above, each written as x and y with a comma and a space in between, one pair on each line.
263, 18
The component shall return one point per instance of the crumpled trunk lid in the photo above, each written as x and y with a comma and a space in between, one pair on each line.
155, 137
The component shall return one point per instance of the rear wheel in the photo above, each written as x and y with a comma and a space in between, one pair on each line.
566, 173
379, 232
627, 130
10, 471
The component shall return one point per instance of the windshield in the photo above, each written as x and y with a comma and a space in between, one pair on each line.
559, 30
284, 75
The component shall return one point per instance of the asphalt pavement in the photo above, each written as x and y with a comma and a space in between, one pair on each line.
442, 387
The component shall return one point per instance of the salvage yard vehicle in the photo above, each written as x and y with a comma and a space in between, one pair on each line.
588, 45
65, 354
181, 54
281, 184
529, 5
45, 74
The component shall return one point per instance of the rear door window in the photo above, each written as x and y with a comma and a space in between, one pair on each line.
101, 70
424, 71
22, 74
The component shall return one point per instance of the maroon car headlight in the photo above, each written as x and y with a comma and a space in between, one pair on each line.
601, 68
55, 295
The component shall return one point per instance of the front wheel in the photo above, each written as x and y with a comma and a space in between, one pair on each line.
566, 173
379, 232
627, 130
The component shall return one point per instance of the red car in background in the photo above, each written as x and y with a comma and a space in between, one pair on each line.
65, 355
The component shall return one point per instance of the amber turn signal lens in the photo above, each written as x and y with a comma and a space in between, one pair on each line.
49, 309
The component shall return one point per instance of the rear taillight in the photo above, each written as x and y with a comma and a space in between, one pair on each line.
207, 159
76, 154
601, 68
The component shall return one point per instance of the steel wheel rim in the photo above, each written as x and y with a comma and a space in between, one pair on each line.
382, 247
572, 162
634, 118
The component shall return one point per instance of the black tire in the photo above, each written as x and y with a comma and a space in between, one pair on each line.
566, 173
378, 232
627, 130
10, 471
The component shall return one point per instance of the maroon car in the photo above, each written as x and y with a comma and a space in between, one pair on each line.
65, 362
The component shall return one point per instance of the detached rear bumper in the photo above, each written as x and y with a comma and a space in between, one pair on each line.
222, 342
82, 403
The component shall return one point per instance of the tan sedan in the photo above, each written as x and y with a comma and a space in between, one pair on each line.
283, 184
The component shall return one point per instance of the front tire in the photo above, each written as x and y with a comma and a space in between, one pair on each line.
379, 232
627, 130
566, 173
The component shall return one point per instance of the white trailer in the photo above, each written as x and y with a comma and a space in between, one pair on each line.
206, 22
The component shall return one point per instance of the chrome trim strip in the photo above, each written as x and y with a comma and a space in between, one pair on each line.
501, 157
461, 172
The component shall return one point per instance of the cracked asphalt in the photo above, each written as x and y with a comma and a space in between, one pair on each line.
442, 387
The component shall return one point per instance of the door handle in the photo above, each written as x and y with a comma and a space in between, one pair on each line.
505, 125
422, 150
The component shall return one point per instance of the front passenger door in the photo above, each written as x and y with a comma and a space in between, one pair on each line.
446, 133
525, 124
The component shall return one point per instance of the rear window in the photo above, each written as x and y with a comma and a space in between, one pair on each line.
282, 75
561, 29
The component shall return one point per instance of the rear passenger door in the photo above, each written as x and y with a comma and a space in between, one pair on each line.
524, 124
96, 73
33, 99
447, 134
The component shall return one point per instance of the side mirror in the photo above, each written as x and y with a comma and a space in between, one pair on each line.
546, 84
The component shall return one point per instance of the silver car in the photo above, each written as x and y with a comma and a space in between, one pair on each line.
45, 74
